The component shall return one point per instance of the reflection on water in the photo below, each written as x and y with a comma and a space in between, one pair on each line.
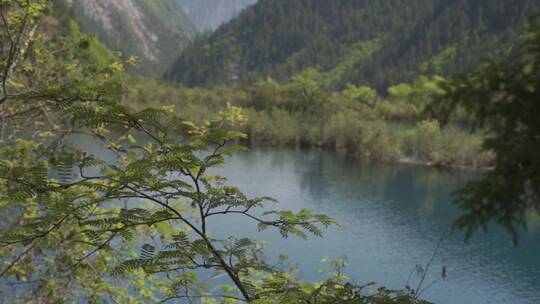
392, 218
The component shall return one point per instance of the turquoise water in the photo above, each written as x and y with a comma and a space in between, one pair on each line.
393, 217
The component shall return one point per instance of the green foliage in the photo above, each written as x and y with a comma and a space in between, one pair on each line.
131, 227
277, 127
379, 43
355, 120
285, 288
357, 52
96, 51
439, 61
503, 99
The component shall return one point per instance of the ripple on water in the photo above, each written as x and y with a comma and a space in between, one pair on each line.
393, 217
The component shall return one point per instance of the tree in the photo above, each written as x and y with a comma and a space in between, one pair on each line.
363, 94
504, 100
73, 222
309, 96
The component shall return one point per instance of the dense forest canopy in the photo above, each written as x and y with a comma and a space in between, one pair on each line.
372, 42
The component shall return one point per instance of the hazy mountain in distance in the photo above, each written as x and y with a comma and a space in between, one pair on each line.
207, 15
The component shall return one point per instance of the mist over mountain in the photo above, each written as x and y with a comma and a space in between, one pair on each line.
207, 15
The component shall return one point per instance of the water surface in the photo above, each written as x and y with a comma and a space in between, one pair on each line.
393, 217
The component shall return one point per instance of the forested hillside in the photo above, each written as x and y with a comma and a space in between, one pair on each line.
373, 42
154, 31
207, 15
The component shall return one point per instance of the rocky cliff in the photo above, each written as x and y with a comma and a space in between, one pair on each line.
155, 31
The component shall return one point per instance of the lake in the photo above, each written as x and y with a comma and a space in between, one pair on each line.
393, 217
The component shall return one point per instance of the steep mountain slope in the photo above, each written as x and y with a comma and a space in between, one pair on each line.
375, 42
155, 31
207, 15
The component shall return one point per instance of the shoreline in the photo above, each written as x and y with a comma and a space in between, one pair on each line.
406, 160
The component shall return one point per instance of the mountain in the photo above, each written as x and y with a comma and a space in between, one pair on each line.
155, 31
207, 15
370, 42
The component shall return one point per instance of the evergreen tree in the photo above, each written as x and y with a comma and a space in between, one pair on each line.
280, 38
503, 99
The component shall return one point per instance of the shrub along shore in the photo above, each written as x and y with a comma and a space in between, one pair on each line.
355, 120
